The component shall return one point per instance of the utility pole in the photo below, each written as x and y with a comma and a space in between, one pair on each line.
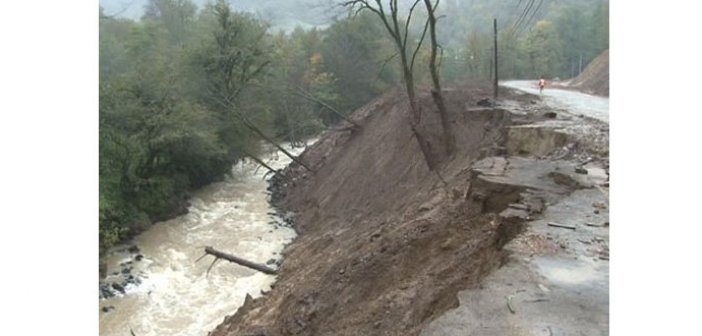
494, 24
580, 67
491, 67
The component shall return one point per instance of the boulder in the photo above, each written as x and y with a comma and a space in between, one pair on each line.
484, 102
118, 287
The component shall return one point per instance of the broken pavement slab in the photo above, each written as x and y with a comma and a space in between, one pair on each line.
520, 174
534, 139
554, 291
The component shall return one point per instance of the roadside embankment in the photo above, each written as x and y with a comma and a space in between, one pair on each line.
384, 244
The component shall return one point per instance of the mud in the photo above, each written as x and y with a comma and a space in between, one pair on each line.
595, 77
384, 244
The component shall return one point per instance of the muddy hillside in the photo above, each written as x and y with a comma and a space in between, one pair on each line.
384, 243
595, 78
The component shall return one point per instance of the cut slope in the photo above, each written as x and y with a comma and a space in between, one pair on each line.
595, 78
384, 243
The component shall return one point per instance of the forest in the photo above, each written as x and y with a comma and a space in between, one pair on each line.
186, 91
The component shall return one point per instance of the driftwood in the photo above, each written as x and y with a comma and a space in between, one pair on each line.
243, 262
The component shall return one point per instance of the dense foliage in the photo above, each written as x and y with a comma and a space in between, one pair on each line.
557, 41
185, 93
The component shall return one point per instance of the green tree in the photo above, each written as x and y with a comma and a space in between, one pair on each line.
234, 60
177, 17
356, 51
544, 50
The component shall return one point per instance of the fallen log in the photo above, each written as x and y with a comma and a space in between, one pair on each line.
260, 162
243, 262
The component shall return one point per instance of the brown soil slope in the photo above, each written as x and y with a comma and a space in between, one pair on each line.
384, 243
595, 78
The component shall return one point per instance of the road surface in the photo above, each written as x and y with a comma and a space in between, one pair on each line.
572, 101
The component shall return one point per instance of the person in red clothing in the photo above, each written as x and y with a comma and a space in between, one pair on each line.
542, 83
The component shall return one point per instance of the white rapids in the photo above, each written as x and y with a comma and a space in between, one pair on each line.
176, 297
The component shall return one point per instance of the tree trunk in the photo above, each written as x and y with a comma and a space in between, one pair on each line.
424, 146
243, 262
259, 161
307, 95
265, 137
449, 140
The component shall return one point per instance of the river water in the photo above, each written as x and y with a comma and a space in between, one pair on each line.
176, 296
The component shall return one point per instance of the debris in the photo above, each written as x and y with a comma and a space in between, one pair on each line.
509, 304
518, 206
485, 102
599, 205
537, 300
561, 226
551, 115
606, 224
581, 170
544, 288
588, 160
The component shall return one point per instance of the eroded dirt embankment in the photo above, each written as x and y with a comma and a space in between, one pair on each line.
384, 244
595, 77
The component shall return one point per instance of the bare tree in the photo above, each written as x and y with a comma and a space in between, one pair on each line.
449, 140
399, 32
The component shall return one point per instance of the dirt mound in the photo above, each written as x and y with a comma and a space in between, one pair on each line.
385, 244
595, 78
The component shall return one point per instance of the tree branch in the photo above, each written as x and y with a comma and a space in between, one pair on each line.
307, 95
409, 18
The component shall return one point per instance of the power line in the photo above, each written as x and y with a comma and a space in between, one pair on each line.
520, 20
533, 14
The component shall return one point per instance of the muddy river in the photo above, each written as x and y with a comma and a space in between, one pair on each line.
175, 296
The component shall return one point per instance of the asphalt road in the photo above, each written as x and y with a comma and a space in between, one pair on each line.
572, 102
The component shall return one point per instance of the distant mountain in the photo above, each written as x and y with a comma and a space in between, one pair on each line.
282, 14
459, 16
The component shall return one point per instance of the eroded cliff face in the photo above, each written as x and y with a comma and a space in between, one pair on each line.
385, 244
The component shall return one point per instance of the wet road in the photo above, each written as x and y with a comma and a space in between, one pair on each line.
572, 101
